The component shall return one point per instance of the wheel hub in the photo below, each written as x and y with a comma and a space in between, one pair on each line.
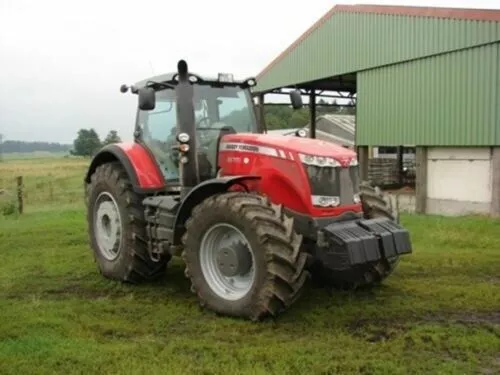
234, 260
107, 226
227, 261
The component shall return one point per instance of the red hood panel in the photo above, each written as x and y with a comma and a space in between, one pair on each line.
292, 143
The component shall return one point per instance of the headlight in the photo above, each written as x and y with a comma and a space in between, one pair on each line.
251, 82
357, 198
184, 147
320, 161
183, 137
325, 201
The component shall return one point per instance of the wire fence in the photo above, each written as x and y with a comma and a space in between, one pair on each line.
33, 184
24, 193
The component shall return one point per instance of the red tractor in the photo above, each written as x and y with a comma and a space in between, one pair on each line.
252, 215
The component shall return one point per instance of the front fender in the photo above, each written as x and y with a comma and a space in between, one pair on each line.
142, 170
199, 193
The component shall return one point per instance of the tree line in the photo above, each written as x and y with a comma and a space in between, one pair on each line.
87, 142
9, 146
284, 116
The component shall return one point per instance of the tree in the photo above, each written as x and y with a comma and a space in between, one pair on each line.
86, 143
275, 122
112, 137
299, 118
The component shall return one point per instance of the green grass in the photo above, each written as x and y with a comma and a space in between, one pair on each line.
439, 313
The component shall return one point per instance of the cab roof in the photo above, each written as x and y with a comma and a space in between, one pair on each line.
171, 76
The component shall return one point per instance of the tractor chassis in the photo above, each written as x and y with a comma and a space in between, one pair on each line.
337, 243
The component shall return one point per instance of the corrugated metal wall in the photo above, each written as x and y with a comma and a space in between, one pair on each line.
350, 42
449, 100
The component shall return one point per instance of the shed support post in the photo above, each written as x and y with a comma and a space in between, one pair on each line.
312, 112
260, 113
400, 165
421, 180
495, 179
363, 161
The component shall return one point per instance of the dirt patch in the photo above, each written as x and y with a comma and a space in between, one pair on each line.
376, 330
466, 318
493, 368
67, 291
80, 291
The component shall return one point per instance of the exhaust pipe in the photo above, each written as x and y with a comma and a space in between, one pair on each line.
188, 166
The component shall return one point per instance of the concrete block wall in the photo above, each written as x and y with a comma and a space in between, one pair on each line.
459, 180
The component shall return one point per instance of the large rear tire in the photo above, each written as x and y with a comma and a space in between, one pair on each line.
375, 204
116, 227
243, 256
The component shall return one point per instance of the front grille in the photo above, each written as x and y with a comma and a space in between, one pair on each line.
333, 182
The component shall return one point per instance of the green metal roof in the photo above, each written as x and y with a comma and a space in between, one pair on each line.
451, 99
353, 38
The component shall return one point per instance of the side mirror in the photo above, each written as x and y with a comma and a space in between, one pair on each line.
296, 99
147, 98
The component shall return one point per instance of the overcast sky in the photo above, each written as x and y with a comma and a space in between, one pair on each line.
62, 62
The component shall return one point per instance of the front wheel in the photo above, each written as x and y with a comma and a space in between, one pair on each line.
243, 256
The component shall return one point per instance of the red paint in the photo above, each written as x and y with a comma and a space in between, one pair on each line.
284, 181
148, 174
294, 145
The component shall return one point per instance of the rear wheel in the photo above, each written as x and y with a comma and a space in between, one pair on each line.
375, 204
243, 256
116, 227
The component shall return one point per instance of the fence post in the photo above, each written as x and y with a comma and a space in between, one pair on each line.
51, 188
20, 194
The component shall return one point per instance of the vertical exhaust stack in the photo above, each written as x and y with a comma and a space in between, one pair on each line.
188, 169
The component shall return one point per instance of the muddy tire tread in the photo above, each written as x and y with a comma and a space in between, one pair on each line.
140, 267
286, 275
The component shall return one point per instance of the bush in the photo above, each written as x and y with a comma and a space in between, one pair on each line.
8, 207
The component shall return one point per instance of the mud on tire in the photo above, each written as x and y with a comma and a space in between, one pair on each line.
375, 204
132, 263
279, 263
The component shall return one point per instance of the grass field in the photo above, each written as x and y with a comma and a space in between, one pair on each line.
48, 182
439, 313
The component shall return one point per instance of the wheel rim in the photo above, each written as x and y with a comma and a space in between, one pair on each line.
227, 261
107, 226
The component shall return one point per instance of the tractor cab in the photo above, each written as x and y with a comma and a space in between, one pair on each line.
220, 105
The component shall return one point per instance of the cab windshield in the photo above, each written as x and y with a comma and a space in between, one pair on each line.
215, 108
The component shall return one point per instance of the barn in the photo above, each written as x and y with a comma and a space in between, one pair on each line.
427, 78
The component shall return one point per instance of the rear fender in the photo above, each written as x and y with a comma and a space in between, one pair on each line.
144, 174
202, 191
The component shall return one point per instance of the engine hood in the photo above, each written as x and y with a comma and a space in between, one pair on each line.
308, 146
